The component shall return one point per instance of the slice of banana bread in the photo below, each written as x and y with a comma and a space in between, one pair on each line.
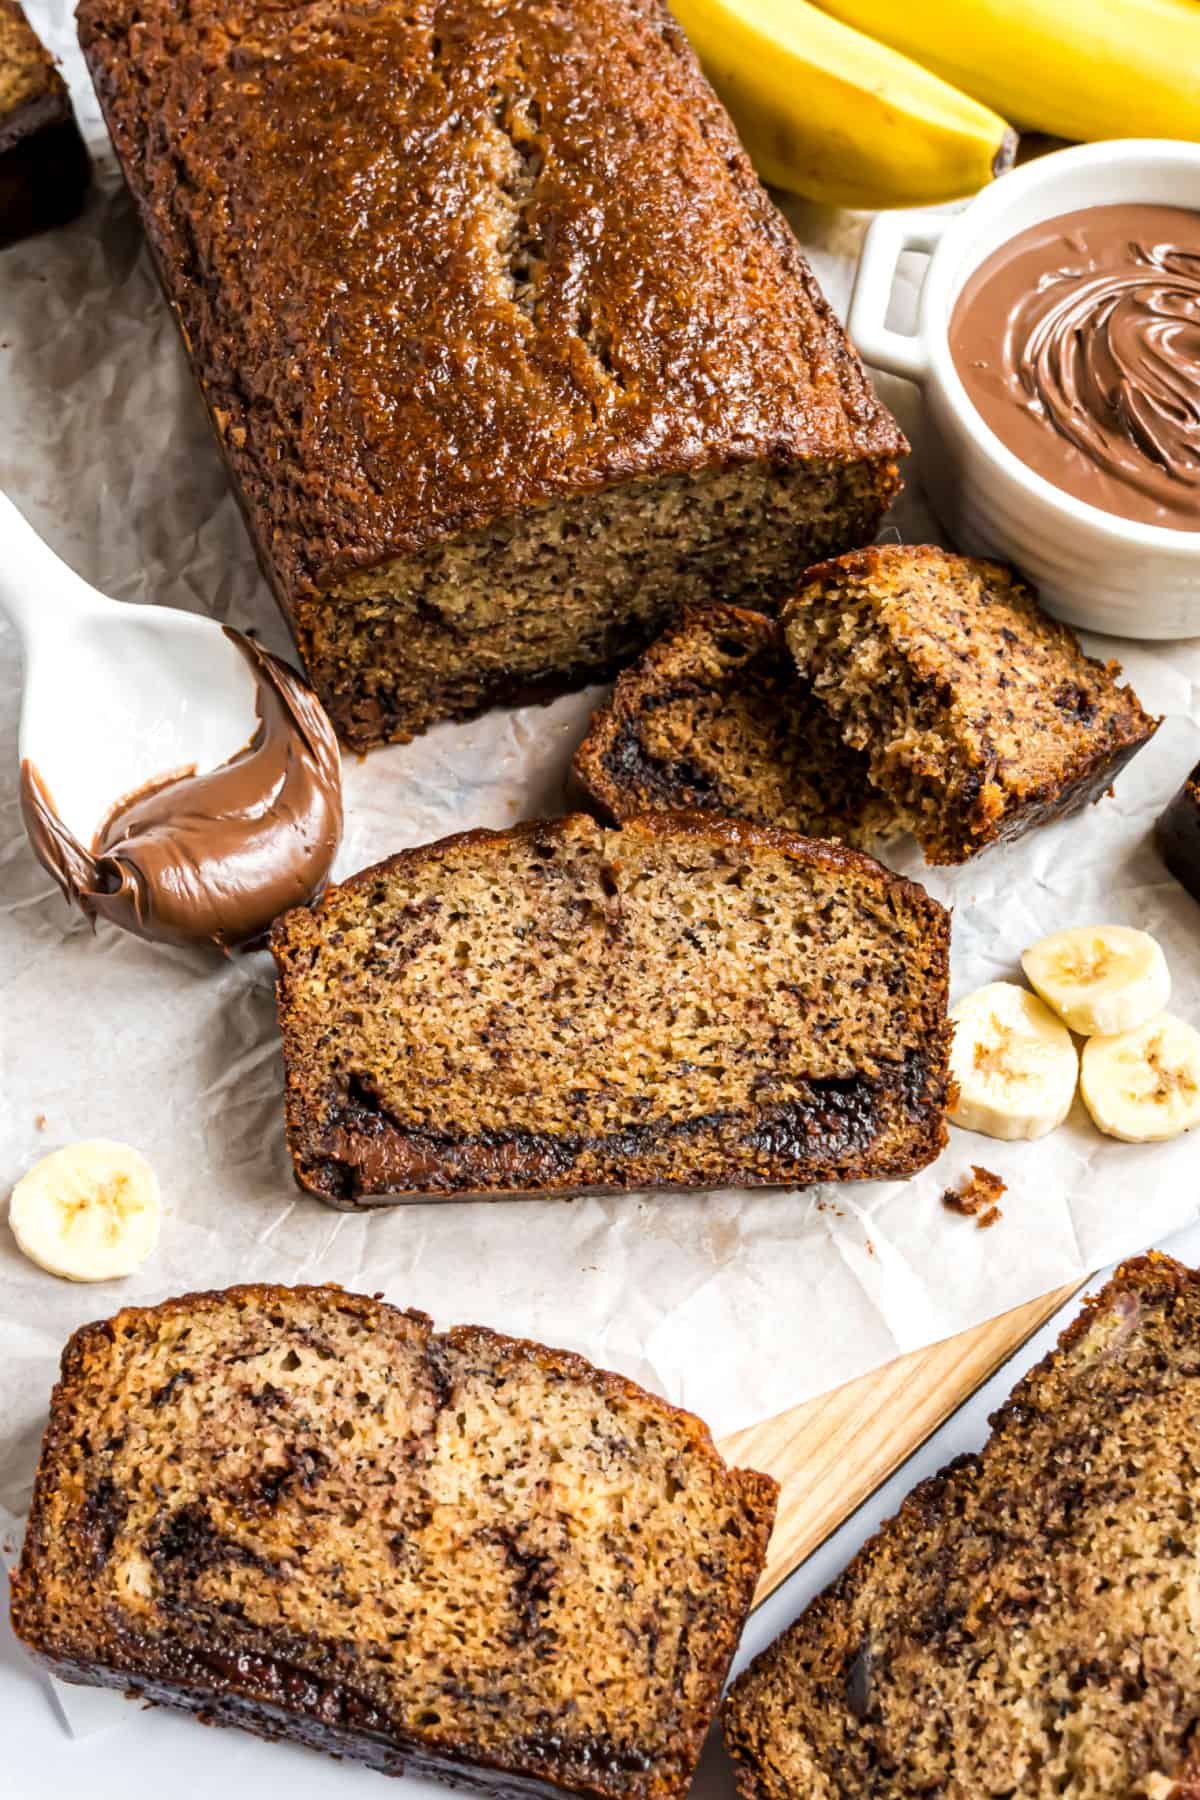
508, 352
686, 1002
979, 715
44, 167
304, 1512
714, 718
1027, 1624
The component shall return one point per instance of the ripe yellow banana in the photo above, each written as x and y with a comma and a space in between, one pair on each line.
1077, 68
829, 113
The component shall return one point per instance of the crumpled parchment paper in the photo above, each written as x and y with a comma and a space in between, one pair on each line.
735, 1304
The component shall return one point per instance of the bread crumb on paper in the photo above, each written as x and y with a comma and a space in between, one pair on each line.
976, 1197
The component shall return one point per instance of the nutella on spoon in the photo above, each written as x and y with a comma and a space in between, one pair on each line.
1078, 342
213, 857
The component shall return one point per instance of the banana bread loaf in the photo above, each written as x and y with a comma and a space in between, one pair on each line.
44, 167
686, 1002
304, 1512
979, 715
506, 348
1026, 1624
714, 718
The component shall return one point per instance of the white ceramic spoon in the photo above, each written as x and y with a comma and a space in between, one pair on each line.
115, 694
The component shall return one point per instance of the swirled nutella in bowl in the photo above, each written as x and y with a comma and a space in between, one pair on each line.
1078, 342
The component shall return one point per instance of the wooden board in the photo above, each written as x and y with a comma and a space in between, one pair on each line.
831, 1453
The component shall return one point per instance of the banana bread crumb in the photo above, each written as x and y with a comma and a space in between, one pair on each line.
975, 1197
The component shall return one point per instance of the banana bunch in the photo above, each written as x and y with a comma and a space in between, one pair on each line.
878, 103
1123, 68
829, 113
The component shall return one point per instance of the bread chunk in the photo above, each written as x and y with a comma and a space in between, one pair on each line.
979, 715
305, 1512
44, 167
714, 718
1026, 1624
686, 1002
508, 352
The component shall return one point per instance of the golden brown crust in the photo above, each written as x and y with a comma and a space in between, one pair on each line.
275, 1691
736, 833
343, 418
490, 404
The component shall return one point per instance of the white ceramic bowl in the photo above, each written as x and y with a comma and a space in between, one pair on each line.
1100, 572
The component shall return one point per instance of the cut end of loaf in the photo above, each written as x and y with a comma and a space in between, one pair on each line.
306, 1512
562, 595
687, 1002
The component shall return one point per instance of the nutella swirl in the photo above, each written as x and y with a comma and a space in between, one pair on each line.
1079, 343
211, 858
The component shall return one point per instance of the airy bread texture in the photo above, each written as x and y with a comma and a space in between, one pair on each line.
687, 1002
979, 715
507, 350
1026, 1624
305, 1512
714, 718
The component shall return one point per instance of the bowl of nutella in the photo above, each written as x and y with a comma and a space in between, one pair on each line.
1058, 352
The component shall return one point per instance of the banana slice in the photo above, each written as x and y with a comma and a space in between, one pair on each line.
1100, 979
89, 1212
1014, 1063
1144, 1085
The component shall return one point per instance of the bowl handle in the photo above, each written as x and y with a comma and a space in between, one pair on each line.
887, 238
